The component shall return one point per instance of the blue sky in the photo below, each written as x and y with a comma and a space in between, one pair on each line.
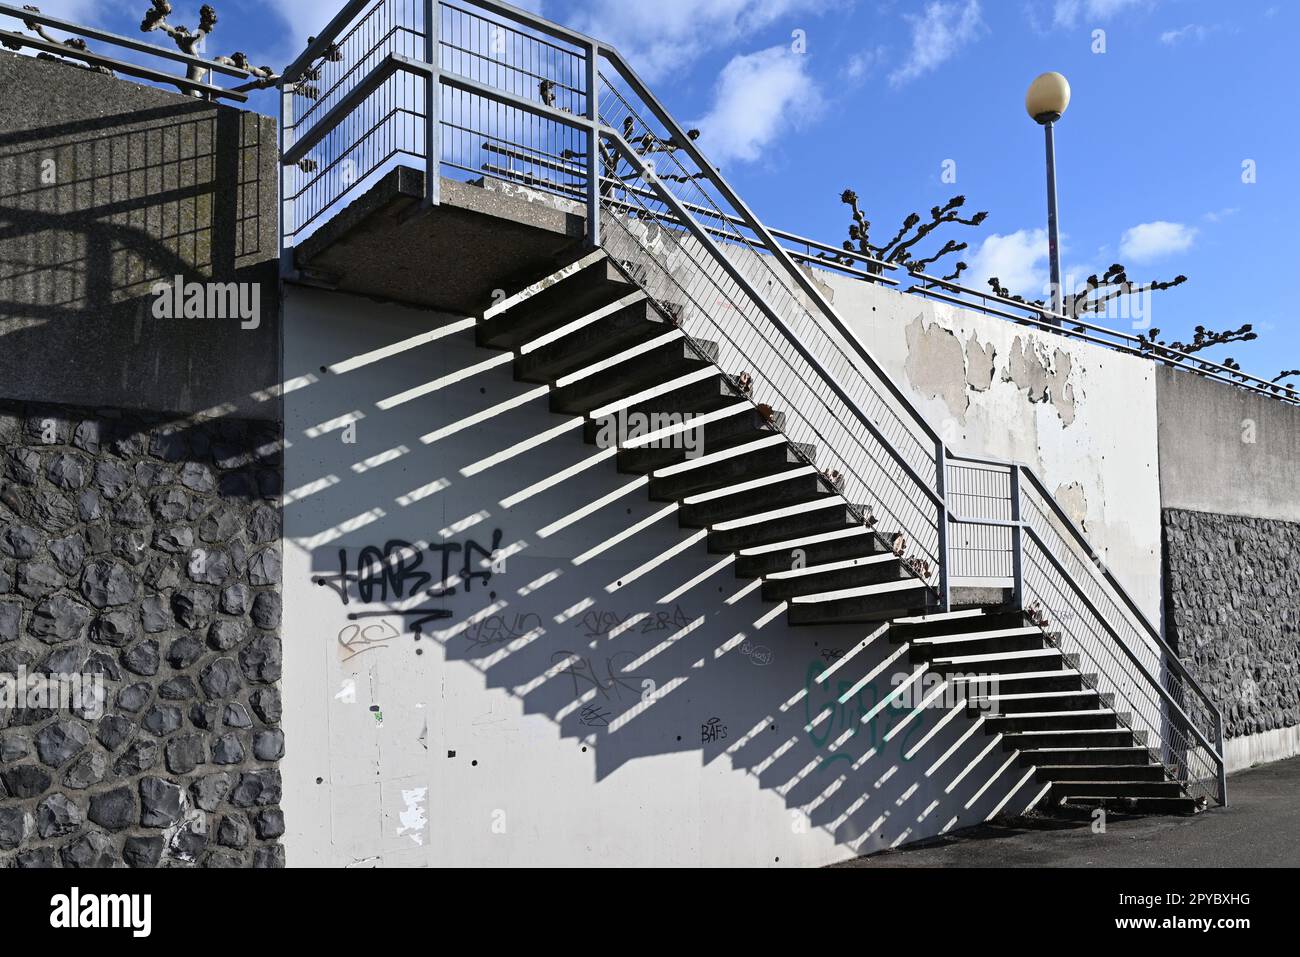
1169, 101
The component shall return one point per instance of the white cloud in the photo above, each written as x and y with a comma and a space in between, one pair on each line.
938, 33
1149, 241
662, 36
1066, 13
758, 97
1018, 260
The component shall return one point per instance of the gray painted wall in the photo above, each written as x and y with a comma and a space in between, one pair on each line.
1227, 451
107, 187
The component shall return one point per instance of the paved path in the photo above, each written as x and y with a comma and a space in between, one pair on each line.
1259, 828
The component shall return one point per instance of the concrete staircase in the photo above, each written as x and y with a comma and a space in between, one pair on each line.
605, 349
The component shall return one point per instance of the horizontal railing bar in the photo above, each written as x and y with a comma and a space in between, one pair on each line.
466, 85
792, 237
130, 43
119, 66
388, 67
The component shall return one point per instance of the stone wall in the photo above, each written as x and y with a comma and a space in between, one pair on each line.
145, 549
1231, 614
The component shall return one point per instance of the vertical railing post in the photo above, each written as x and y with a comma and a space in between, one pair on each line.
941, 490
286, 204
433, 105
1223, 757
593, 145
1017, 542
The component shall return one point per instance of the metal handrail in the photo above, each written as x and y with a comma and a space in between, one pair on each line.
128, 43
1027, 481
644, 196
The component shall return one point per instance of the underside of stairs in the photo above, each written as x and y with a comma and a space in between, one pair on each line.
611, 355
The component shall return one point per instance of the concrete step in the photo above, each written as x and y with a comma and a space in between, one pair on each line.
954, 623
592, 343
1100, 772
976, 643
722, 432
835, 576
633, 371
872, 604
1128, 805
1003, 662
763, 560
784, 489
1036, 702
751, 460
1068, 740
697, 395
1032, 681
1084, 720
586, 291
763, 528
1091, 757
1104, 790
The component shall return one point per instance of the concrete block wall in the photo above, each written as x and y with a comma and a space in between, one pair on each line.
108, 187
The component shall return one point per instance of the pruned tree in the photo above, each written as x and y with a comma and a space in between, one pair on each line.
900, 248
1288, 390
1095, 294
191, 43
1202, 339
72, 43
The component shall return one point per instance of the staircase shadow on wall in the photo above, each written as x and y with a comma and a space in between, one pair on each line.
577, 640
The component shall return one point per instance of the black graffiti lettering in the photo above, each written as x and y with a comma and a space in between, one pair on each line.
446, 549
468, 574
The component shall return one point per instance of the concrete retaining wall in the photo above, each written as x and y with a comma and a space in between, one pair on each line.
108, 187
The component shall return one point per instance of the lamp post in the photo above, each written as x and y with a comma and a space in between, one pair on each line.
1046, 102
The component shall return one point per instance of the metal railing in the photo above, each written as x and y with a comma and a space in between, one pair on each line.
201, 72
478, 88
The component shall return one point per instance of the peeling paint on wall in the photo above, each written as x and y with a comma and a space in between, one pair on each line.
1045, 378
1074, 499
936, 364
981, 360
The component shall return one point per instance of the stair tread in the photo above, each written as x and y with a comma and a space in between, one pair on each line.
1027, 632
1004, 655
803, 542
865, 591
863, 562
785, 511
712, 458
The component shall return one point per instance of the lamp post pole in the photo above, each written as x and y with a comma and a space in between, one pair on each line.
1046, 102
1053, 223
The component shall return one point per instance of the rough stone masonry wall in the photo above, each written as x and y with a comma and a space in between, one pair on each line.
1232, 612
147, 551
